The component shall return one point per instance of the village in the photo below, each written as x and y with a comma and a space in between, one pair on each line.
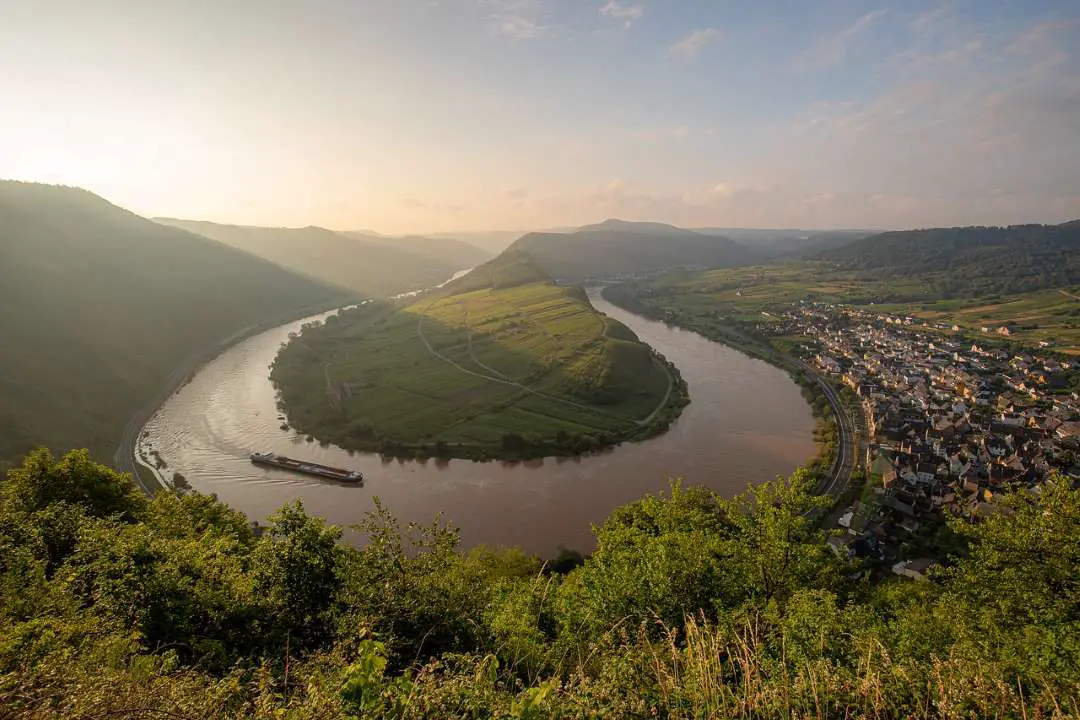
951, 425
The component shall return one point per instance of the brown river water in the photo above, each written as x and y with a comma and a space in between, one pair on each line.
747, 422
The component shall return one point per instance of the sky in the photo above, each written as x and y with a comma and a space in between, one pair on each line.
438, 115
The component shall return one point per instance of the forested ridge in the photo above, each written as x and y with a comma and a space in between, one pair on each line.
966, 261
365, 264
99, 307
617, 247
691, 606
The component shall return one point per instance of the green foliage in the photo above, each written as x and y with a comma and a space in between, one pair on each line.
42, 482
966, 261
296, 576
692, 606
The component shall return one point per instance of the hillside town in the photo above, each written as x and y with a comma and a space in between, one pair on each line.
951, 425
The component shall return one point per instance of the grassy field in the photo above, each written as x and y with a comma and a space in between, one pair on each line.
744, 294
516, 371
1046, 316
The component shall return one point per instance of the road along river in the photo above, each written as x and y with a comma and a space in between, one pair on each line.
747, 422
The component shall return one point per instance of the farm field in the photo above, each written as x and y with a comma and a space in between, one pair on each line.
743, 294
1047, 316
500, 371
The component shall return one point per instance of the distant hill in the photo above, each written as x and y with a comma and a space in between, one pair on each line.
966, 260
617, 247
449, 252
370, 265
788, 243
653, 229
828, 240
510, 269
492, 241
98, 307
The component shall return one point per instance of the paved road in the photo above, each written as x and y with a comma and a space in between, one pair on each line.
846, 437
844, 464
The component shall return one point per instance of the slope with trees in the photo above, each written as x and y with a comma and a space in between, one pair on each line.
788, 244
691, 606
965, 261
367, 264
617, 247
98, 307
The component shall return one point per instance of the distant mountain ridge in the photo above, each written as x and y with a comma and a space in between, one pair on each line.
788, 243
1017, 258
98, 307
447, 251
368, 264
491, 241
618, 247
614, 225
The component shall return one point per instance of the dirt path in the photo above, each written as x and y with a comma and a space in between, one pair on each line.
472, 354
667, 394
512, 383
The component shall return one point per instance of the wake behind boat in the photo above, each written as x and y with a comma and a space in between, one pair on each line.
306, 467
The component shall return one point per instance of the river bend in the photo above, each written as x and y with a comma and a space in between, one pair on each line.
747, 422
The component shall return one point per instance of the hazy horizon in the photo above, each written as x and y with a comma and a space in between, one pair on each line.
465, 116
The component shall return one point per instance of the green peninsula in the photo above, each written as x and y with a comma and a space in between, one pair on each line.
503, 363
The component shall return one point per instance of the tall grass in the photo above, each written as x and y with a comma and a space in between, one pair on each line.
708, 671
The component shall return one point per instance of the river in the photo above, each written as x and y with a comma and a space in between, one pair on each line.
747, 422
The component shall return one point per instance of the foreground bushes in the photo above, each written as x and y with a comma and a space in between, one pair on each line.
692, 606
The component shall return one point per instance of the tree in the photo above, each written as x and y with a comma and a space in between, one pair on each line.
296, 567
76, 479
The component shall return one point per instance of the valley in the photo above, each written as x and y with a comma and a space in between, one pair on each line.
746, 420
100, 307
528, 360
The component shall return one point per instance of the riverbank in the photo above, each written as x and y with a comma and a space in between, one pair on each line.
747, 422
129, 455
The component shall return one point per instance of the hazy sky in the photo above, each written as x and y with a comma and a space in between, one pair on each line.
420, 115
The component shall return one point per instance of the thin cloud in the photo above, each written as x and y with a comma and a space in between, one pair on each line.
830, 51
519, 27
520, 19
626, 13
695, 42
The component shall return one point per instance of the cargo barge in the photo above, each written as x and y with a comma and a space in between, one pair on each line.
307, 468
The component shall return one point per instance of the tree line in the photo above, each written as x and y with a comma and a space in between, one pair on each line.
690, 606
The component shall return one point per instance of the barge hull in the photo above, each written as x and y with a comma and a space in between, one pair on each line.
306, 468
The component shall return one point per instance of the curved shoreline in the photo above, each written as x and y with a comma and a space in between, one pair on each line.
127, 457
844, 463
747, 422
659, 421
